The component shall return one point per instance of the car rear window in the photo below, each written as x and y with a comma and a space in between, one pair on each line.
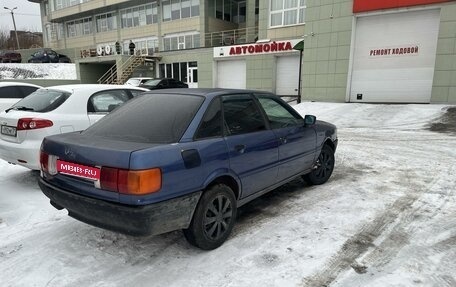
151, 118
43, 100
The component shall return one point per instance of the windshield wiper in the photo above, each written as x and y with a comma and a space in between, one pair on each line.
19, 108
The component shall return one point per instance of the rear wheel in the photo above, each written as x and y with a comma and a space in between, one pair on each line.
214, 218
323, 167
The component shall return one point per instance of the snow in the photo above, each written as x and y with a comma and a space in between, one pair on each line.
385, 218
58, 71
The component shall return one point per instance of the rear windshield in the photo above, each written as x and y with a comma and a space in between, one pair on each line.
152, 82
42, 100
133, 82
151, 118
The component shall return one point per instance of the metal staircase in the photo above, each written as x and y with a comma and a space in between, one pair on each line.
119, 75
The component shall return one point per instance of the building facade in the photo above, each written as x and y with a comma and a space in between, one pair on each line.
401, 51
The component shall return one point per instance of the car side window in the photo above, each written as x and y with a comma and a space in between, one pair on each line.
10, 92
211, 125
135, 93
242, 115
278, 115
26, 90
107, 101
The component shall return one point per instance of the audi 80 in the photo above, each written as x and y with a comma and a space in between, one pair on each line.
184, 159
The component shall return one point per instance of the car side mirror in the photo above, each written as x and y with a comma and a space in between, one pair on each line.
310, 120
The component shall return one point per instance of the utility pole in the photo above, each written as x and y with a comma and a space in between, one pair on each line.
14, 23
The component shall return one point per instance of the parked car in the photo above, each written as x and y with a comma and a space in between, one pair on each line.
11, 92
55, 110
184, 159
163, 83
48, 56
137, 81
7, 56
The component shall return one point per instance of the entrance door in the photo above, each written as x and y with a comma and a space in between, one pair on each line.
193, 77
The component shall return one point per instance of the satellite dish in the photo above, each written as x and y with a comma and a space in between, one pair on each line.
107, 50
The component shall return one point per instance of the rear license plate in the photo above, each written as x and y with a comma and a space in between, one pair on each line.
89, 172
9, 131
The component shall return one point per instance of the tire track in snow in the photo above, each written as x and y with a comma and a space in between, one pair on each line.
404, 211
359, 243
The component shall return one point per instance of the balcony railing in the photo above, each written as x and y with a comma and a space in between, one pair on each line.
231, 37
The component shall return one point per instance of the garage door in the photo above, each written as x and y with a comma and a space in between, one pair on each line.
231, 74
394, 57
287, 76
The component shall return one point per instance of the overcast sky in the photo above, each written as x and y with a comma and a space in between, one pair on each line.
27, 15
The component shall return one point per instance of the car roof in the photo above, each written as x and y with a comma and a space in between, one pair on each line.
140, 78
206, 92
93, 87
7, 84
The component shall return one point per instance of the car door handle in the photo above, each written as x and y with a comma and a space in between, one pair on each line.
283, 140
240, 148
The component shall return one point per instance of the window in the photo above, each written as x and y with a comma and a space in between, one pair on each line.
144, 46
61, 4
242, 115
106, 22
287, 12
278, 115
139, 15
43, 100
228, 10
162, 118
107, 101
178, 71
79, 27
179, 9
211, 125
10, 92
181, 41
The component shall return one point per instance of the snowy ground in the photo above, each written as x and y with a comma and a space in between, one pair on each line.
59, 71
385, 218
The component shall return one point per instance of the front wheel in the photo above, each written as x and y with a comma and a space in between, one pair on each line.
323, 167
214, 218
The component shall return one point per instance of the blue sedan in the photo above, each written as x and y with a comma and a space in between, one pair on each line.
184, 159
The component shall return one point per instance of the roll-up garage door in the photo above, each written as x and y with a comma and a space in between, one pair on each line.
231, 74
287, 75
394, 57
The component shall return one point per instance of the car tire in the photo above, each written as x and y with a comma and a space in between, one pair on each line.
323, 167
213, 219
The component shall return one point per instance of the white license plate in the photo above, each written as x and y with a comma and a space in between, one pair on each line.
9, 131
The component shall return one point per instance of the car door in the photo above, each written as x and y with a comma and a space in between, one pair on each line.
252, 147
297, 142
104, 102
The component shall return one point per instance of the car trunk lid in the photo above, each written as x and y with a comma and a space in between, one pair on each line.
77, 159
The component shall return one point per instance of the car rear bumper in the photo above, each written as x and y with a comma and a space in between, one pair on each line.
26, 153
138, 220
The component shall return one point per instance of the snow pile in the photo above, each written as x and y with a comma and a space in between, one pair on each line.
385, 218
58, 71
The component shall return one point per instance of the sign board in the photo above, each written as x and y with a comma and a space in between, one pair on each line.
258, 48
370, 5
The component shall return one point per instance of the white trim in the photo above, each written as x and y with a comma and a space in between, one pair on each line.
350, 61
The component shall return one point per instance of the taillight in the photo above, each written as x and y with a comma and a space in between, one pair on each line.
44, 161
48, 163
134, 182
33, 124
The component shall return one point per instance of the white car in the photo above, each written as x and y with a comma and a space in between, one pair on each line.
137, 81
12, 92
55, 110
